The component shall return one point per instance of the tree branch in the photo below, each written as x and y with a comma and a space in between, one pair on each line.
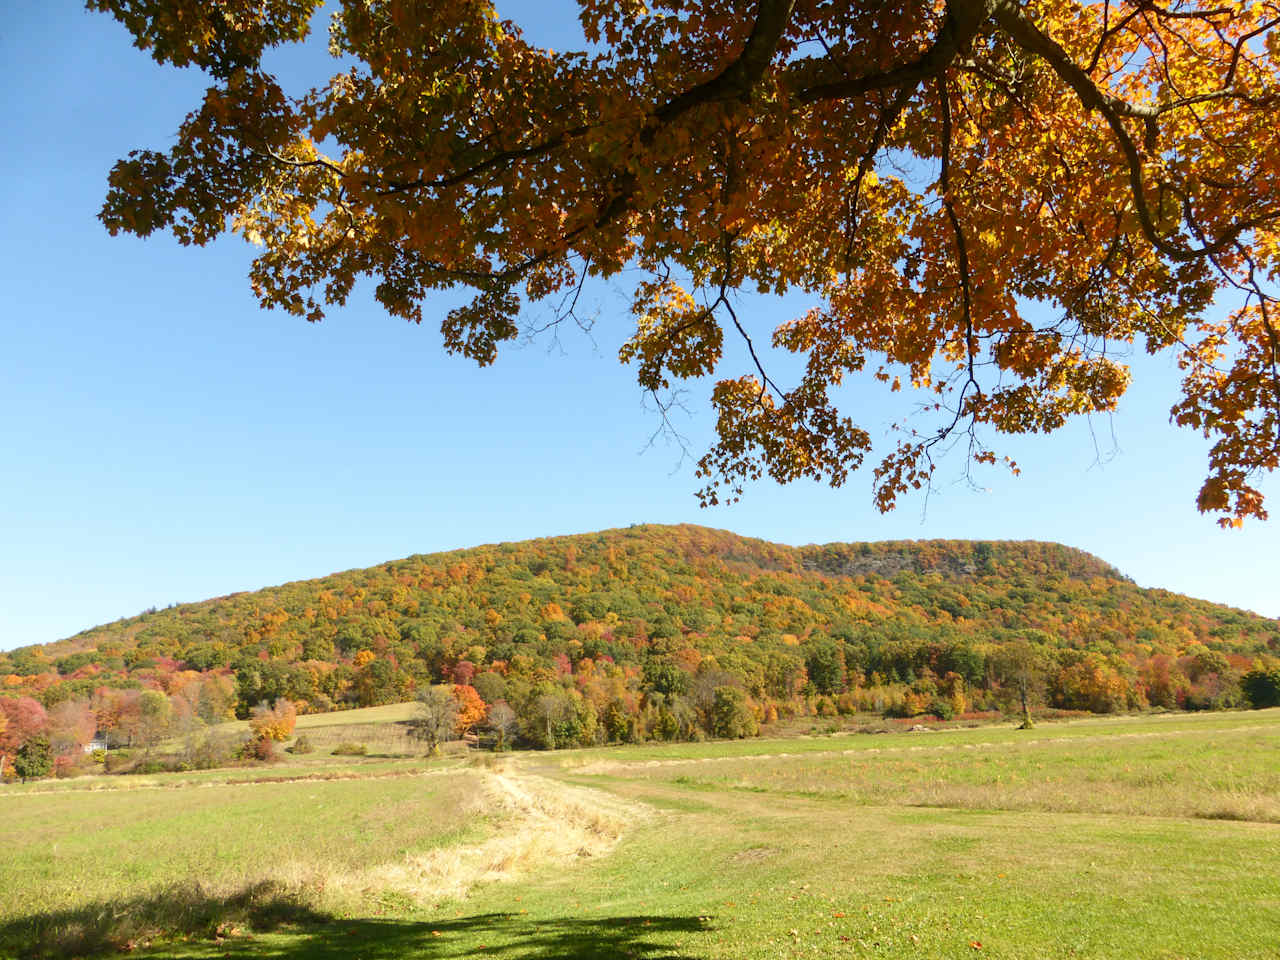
744, 72
1113, 109
963, 21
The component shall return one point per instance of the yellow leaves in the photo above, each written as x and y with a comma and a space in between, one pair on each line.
273, 723
674, 335
796, 434
870, 179
907, 468
465, 156
552, 611
476, 329
220, 37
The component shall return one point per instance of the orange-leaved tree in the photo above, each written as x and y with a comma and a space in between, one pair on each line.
273, 723
985, 198
471, 709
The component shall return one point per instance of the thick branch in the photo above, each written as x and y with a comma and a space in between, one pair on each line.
963, 21
744, 72
735, 81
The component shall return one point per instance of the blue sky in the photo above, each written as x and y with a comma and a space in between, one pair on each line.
165, 440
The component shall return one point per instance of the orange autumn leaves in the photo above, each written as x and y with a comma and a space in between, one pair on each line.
471, 709
273, 722
990, 201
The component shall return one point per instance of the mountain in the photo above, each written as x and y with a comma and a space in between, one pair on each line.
656, 608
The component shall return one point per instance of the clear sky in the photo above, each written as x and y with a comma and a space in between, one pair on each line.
165, 440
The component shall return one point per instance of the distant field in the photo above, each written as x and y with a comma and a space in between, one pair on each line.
1170, 768
380, 730
1144, 837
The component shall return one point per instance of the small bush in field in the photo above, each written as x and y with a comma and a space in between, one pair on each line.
34, 759
346, 749
730, 714
66, 765
214, 750
273, 722
301, 745
264, 749
942, 709
118, 761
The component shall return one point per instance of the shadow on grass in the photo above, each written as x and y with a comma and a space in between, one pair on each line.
507, 936
176, 912
267, 920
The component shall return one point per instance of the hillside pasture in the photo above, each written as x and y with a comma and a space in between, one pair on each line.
381, 730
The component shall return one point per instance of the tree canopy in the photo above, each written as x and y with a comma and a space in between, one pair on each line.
988, 200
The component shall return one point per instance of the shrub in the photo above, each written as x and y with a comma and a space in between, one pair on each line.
730, 715
301, 745
1262, 688
264, 750
214, 750
118, 761
942, 709
34, 759
667, 727
273, 723
346, 749
898, 709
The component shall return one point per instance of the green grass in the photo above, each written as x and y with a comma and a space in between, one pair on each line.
73, 856
1092, 728
1211, 772
1147, 837
796, 880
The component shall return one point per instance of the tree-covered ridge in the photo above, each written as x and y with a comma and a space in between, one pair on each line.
649, 631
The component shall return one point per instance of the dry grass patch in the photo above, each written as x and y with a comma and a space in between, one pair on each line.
537, 822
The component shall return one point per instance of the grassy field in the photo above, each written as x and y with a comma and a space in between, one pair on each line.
381, 730
1154, 837
1170, 769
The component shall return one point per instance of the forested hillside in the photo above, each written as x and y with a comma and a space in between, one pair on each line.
666, 632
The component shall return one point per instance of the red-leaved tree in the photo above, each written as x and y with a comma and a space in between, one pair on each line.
24, 718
